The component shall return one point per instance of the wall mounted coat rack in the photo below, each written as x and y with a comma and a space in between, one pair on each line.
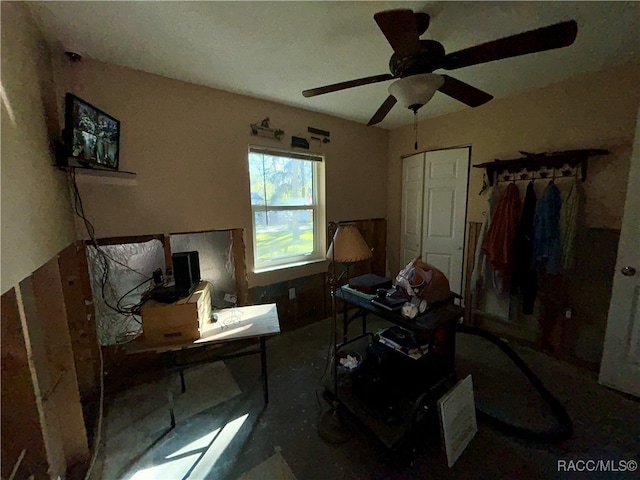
533, 162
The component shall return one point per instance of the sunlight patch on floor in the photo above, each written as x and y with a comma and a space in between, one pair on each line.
197, 465
210, 457
174, 469
200, 444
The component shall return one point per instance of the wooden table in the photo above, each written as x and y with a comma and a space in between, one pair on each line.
239, 327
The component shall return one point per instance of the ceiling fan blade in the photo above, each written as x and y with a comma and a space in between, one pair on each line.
312, 92
463, 92
400, 29
422, 22
545, 38
385, 108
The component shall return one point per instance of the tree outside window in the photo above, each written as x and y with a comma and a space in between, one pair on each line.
284, 202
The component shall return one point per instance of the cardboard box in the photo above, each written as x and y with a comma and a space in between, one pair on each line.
179, 322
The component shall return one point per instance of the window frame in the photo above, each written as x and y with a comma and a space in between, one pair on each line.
317, 206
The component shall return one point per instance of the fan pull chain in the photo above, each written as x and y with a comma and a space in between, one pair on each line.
415, 128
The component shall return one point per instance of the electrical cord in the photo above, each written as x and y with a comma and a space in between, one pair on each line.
130, 312
126, 311
562, 431
330, 349
96, 440
329, 428
79, 209
135, 308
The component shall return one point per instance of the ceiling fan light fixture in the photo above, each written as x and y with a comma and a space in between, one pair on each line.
415, 91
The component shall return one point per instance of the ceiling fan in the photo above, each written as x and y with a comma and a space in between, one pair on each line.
414, 60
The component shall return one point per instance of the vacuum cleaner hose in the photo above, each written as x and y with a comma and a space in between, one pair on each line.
559, 433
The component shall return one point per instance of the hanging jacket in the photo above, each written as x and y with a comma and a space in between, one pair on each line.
546, 236
483, 274
569, 214
524, 278
498, 242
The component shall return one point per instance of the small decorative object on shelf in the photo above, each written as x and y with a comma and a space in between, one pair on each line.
319, 133
263, 130
300, 142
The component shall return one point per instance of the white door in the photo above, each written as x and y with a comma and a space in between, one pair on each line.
620, 367
445, 208
412, 184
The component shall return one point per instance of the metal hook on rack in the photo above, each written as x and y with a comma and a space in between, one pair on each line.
485, 184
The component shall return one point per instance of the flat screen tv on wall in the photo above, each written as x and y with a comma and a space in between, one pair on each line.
91, 136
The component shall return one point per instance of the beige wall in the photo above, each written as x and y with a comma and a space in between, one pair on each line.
36, 213
590, 111
188, 145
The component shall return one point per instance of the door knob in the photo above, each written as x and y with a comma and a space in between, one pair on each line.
628, 271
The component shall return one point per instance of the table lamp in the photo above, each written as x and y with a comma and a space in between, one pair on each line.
347, 247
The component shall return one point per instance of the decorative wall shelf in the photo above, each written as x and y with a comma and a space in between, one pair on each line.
535, 161
103, 176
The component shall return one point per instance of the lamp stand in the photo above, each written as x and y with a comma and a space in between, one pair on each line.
330, 426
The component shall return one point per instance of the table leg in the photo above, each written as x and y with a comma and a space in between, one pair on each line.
182, 385
168, 360
263, 357
345, 322
364, 323
170, 398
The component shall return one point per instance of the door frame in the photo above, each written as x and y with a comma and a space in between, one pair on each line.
617, 370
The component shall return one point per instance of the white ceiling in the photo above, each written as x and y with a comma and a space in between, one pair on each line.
274, 50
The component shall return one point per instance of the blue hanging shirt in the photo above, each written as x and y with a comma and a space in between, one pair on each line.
547, 248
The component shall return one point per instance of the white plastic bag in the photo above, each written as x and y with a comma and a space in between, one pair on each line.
420, 279
413, 278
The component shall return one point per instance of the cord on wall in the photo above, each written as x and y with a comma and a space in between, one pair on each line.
98, 437
17, 465
79, 210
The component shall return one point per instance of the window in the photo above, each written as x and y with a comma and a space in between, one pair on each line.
288, 221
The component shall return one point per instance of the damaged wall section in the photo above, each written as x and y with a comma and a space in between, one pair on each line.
221, 256
120, 274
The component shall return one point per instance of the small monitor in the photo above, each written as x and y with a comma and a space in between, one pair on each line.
186, 271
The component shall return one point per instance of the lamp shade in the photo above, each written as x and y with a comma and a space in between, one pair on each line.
348, 246
415, 91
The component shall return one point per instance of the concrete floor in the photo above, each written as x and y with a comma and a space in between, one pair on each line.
225, 432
